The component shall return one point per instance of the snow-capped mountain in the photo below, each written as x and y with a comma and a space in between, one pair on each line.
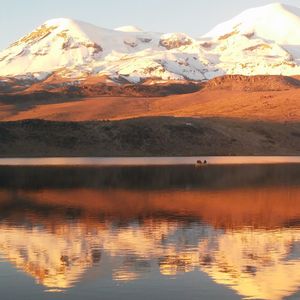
277, 22
264, 40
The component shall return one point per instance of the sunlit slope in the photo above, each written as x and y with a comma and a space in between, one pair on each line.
263, 40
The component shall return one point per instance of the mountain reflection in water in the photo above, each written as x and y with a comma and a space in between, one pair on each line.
240, 225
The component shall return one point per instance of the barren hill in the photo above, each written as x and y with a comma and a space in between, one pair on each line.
274, 98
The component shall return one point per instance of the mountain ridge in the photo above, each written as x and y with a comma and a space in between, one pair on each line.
249, 44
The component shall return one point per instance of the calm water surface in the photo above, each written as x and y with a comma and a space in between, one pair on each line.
150, 232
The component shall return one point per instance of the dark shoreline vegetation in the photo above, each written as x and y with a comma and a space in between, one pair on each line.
151, 136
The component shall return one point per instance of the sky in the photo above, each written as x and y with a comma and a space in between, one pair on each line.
194, 17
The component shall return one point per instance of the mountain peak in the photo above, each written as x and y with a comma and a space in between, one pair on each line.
275, 22
59, 21
71, 24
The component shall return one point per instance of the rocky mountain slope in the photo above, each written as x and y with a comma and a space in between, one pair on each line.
260, 41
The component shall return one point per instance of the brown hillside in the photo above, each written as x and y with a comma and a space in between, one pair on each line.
253, 83
273, 98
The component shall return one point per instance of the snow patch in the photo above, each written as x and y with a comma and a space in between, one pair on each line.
128, 28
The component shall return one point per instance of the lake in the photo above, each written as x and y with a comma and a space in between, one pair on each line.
149, 229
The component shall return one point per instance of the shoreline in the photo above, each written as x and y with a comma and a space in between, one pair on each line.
148, 161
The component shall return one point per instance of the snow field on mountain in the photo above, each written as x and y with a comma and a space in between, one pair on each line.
259, 41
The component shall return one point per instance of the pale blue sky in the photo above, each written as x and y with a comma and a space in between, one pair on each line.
195, 17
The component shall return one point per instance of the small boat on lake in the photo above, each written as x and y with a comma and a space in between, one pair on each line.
201, 163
